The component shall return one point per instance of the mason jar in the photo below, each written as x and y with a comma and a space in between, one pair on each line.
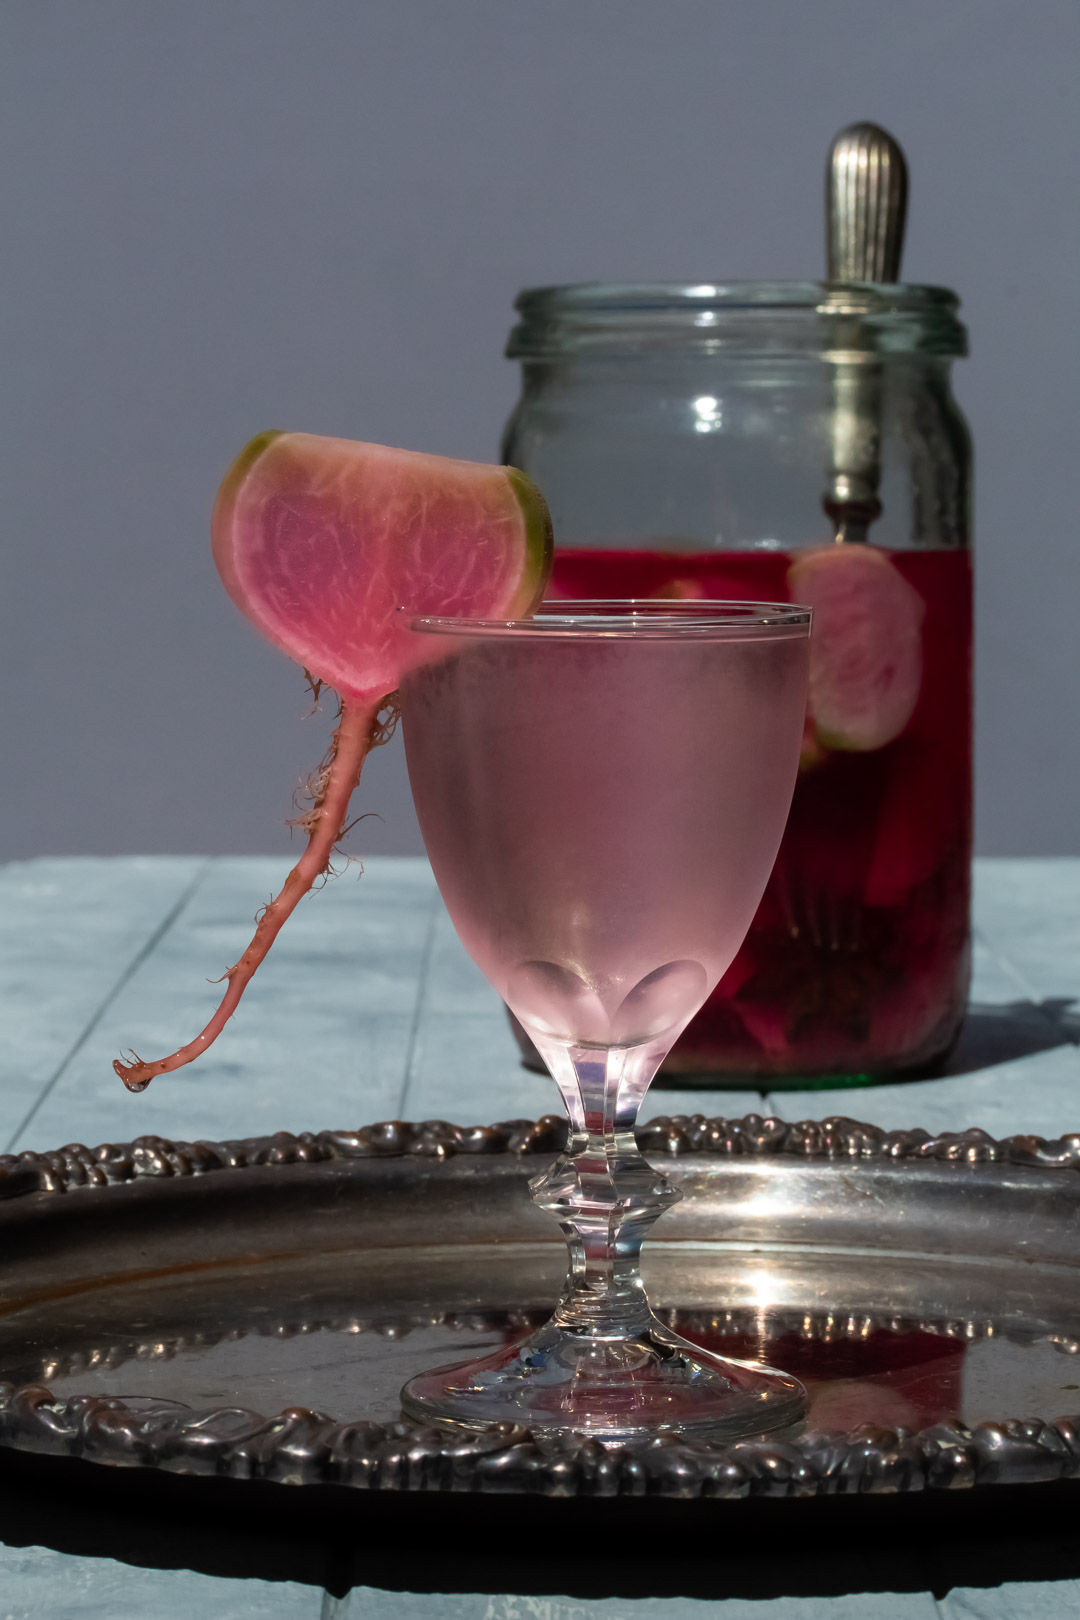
787, 442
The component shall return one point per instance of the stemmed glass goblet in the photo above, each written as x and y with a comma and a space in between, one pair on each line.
602, 790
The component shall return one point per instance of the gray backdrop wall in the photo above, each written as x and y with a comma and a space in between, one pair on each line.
222, 215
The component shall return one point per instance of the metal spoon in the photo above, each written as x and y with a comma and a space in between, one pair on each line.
865, 209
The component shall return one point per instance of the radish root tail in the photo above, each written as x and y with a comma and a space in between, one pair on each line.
361, 727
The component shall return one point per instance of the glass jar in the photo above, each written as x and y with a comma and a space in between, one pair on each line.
715, 441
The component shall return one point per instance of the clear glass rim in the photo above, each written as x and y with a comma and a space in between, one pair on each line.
630, 617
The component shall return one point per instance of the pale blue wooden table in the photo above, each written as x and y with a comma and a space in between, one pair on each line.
369, 1009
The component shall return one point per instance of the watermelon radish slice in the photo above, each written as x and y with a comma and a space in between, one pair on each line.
320, 542
866, 657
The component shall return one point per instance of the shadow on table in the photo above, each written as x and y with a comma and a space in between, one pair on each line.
993, 1035
585, 1548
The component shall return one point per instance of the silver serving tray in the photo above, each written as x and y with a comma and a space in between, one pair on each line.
250, 1309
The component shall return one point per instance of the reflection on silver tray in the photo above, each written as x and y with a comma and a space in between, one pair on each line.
925, 1288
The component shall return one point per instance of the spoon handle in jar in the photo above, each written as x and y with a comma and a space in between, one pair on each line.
865, 209
865, 205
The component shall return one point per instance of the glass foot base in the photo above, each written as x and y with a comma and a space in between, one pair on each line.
559, 1382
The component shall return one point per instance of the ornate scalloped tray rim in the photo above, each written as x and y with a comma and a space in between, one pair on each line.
299, 1446
835, 1138
302, 1447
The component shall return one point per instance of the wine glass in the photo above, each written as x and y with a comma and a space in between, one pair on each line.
602, 790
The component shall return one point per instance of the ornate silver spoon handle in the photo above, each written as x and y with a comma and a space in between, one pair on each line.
865, 209
865, 205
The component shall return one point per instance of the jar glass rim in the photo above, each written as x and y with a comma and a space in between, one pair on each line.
817, 297
619, 318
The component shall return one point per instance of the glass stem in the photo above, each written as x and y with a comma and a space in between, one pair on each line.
601, 1189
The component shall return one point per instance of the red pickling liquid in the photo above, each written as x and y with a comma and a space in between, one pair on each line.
857, 961
895, 1379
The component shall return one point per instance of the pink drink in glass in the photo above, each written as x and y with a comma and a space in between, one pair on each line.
602, 813
602, 791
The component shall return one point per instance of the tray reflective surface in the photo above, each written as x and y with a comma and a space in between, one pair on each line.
925, 1290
